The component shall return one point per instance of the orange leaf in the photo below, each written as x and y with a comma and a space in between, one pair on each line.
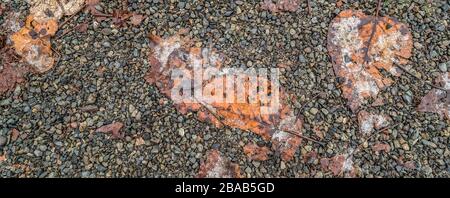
175, 54
360, 46
256, 152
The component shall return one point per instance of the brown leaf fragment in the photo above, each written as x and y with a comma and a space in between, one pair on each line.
280, 5
120, 17
14, 134
360, 46
381, 147
369, 122
339, 3
136, 19
175, 54
438, 101
2, 158
256, 152
217, 166
338, 165
12, 71
90, 6
45, 10
113, 128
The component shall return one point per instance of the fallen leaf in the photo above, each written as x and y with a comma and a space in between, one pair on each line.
438, 101
32, 43
369, 122
120, 17
311, 156
12, 71
381, 147
175, 54
360, 46
338, 165
14, 134
136, 19
2, 158
90, 6
217, 166
113, 128
45, 10
256, 152
280, 5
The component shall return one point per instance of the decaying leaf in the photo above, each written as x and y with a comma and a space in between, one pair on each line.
2, 158
255, 152
32, 43
12, 71
339, 165
113, 128
360, 47
90, 6
280, 5
45, 10
176, 54
120, 17
381, 147
438, 101
369, 122
217, 166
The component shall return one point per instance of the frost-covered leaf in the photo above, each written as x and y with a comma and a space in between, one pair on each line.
369, 122
176, 54
438, 101
44, 10
339, 165
32, 42
360, 47
217, 166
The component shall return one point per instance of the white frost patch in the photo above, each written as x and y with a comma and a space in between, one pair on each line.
218, 170
369, 122
164, 50
347, 36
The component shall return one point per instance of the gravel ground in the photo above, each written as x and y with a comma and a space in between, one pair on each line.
100, 80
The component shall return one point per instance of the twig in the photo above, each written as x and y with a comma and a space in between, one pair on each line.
378, 8
305, 137
425, 82
65, 33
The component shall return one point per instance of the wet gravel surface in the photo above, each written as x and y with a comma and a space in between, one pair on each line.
99, 80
